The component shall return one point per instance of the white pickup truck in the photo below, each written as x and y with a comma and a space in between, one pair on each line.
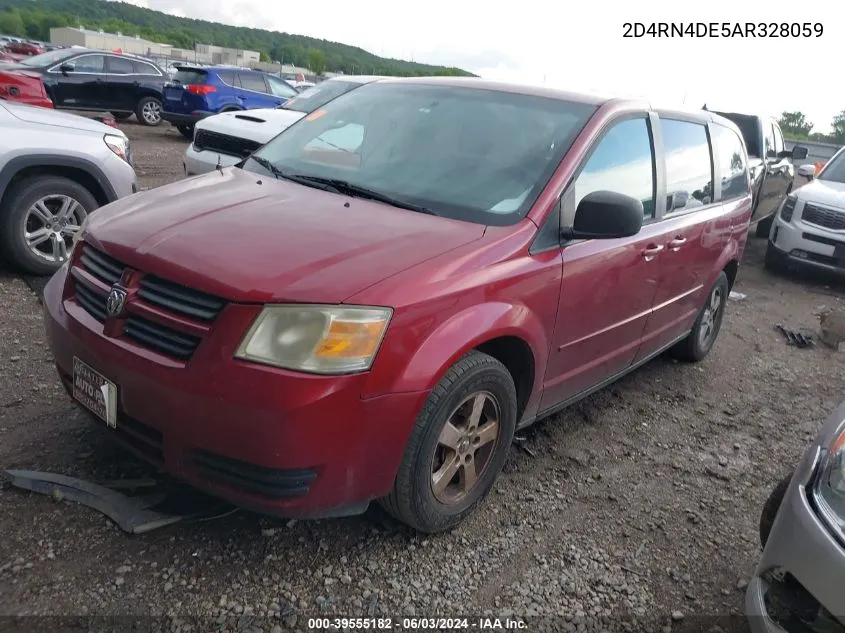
226, 139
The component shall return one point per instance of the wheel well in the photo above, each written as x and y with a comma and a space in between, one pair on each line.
71, 173
730, 271
517, 357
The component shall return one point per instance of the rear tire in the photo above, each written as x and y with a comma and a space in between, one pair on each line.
770, 509
705, 331
187, 131
148, 111
19, 216
457, 447
775, 261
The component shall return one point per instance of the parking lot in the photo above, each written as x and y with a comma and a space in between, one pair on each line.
643, 499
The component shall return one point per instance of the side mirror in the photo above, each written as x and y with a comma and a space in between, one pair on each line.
808, 171
799, 152
606, 215
66, 68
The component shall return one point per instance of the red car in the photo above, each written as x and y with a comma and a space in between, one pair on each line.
25, 48
24, 87
370, 305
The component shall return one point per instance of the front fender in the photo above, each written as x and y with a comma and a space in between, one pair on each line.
465, 330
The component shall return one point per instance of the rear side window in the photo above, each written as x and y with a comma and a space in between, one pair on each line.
623, 162
733, 164
186, 77
227, 77
689, 168
778, 138
120, 66
254, 82
143, 68
769, 139
280, 88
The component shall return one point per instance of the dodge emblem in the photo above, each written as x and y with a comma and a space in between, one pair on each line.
115, 302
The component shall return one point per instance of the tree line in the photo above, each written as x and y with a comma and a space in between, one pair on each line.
796, 127
34, 21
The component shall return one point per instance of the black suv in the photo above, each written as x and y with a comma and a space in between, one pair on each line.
85, 79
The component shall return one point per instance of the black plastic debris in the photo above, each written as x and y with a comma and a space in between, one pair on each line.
796, 338
135, 514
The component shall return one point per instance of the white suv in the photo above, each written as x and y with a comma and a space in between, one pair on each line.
55, 169
225, 139
809, 227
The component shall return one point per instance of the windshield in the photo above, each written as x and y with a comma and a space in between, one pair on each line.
834, 171
48, 59
309, 100
463, 153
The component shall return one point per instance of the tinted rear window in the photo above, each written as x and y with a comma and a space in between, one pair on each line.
186, 77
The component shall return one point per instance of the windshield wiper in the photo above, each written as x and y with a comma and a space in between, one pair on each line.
266, 164
358, 191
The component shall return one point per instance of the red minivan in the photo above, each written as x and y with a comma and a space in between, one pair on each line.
370, 305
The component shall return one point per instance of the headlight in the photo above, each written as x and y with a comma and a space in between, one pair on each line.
830, 486
313, 338
788, 207
118, 144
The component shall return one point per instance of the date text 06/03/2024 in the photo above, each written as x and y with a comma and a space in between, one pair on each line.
417, 624
722, 29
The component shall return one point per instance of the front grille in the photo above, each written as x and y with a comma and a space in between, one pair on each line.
179, 299
822, 240
269, 482
103, 267
93, 302
224, 144
168, 300
160, 337
821, 216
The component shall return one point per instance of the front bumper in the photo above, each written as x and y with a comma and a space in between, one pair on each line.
804, 244
179, 118
802, 550
279, 442
202, 162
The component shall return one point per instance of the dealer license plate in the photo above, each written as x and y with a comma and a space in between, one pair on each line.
95, 392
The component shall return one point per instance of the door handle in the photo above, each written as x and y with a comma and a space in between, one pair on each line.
651, 251
676, 244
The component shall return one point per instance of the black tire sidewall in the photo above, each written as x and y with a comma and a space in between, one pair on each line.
771, 508
13, 210
186, 130
491, 377
139, 111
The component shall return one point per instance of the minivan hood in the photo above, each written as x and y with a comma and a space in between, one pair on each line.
824, 192
45, 116
253, 238
259, 125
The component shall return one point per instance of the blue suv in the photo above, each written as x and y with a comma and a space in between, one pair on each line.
196, 92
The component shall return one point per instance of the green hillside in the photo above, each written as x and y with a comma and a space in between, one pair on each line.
35, 18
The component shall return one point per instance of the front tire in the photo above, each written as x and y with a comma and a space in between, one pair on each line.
121, 116
770, 510
148, 111
186, 130
764, 227
457, 447
705, 331
38, 218
775, 261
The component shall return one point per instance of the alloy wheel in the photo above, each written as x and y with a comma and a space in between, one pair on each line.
151, 111
465, 446
50, 226
710, 318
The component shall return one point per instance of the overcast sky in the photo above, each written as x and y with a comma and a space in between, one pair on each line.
539, 41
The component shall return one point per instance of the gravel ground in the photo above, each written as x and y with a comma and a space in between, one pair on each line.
640, 502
